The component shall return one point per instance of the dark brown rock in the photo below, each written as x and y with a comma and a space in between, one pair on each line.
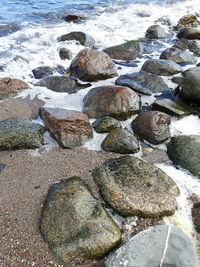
73, 18
196, 216
189, 33
70, 128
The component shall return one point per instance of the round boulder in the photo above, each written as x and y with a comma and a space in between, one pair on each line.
155, 32
65, 53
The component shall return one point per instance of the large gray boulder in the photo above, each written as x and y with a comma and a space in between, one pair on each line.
143, 82
76, 227
126, 51
92, 65
83, 38
161, 67
164, 245
177, 55
133, 187
16, 133
155, 32
116, 101
184, 151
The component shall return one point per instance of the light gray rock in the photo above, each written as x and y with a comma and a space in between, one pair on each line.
155, 32
177, 55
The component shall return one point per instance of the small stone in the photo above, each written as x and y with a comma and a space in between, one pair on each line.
65, 53
106, 124
155, 32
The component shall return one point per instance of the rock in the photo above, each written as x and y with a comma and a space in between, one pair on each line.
10, 87
161, 67
92, 65
182, 44
155, 156
165, 20
163, 245
133, 187
189, 20
171, 107
189, 33
178, 56
155, 32
2, 166
152, 126
178, 80
70, 128
184, 151
127, 51
191, 84
65, 53
75, 225
196, 216
120, 141
116, 101
194, 46
83, 38
73, 18
16, 133
106, 124
43, 71
23, 108
10, 28
143, 82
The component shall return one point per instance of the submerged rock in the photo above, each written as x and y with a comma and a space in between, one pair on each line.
126, 51
161, 67
184, 151
92, 65
143, 82
189, 33
16, 133
133, 187
178, 56
196, 216
155, 32
106, 124
83, 38
116, 101
152, 126
70, 128
163, 245
120, 141
75, 225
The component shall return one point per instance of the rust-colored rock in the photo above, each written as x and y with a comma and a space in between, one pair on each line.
10, 87
70, 128
119, 102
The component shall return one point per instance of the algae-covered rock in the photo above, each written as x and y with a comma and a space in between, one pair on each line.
106, 124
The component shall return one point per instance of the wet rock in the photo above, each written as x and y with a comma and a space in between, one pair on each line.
116, 101
172, 108
196, 216
70, 128
43, 71
106, 124
178, 80
155, 156
189, 20
76, 227
10, 87
83, 38
191, 84
182, 44
164, 20
189, 33
133, 187
152, 126
23, 108
16, 133
155, 32
194, 46
6, 29
127, 51
184, 151
120, 141
148, 248
65, 53
161, 67
178, 56
73, 18
92, 65
142, 82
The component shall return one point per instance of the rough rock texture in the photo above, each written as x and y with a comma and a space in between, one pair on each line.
43, 71
184, 151
126, 51
83, 38
106, 124
65, 53
196, 216
121, 141
73, 18
189, 20
155, 32
182, 44
70, 128
161, 67
133, 187
178, 56
148, 249
143, 82
152, 126
10, 87
190, 84
24, 108
75, 225
16, 133
164, 20
189, 33
92, 65
194, 46
116, 101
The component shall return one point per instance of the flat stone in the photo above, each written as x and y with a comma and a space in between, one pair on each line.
43, 71
177, 55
